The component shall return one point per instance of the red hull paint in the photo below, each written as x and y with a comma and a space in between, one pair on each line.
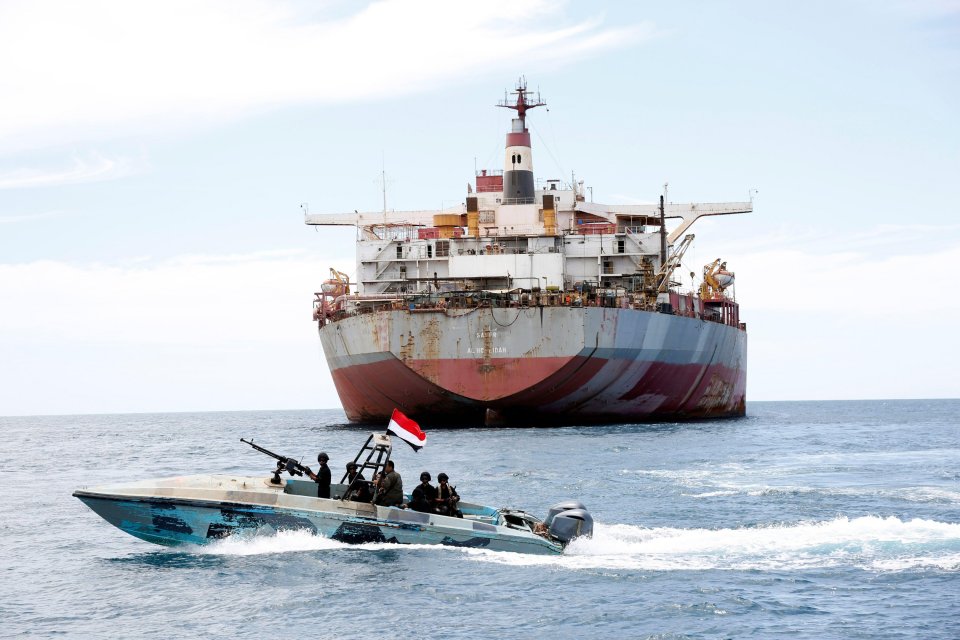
582, 391
486, 380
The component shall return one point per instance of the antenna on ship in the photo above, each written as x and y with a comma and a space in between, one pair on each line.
521, 105
383, 184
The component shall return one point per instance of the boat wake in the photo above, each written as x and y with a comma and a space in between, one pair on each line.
280, 542
869, 543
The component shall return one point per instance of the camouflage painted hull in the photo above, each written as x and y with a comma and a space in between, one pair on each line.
535, 366
202, 509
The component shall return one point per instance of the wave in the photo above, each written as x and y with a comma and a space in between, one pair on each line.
301, 540
869, 543
934, 495
733, 479
280, 542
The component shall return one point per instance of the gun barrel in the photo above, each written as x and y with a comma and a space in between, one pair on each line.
265, 451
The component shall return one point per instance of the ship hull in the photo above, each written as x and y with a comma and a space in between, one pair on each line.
536, 366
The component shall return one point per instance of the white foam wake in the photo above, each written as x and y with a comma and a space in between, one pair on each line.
281, 542
872, 543
299, 540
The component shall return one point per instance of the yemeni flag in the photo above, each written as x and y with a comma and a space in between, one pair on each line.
407, 430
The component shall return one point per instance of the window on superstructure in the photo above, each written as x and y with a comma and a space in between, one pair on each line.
443, 248
399, 251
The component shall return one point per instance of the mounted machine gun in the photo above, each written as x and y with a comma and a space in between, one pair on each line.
291, 466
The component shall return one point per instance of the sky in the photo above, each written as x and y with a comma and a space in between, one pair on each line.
155, 159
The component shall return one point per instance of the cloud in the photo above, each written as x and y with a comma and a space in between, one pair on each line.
28, 217
260, 297
849, 283
924, 8
189, 333
875, 241
93, 168
101, 68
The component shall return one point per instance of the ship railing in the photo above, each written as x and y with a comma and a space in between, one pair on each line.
524, 298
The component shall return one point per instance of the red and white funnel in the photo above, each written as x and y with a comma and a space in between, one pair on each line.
518, 159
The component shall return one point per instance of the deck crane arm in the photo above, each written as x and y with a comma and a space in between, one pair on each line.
666, 271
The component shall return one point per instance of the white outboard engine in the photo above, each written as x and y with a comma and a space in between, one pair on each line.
569, 520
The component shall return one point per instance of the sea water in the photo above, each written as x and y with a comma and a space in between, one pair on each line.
803, 519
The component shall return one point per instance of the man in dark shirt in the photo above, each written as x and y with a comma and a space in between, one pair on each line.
322, 476
424, 495
391, 487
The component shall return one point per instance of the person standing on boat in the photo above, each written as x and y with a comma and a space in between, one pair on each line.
322, 476
424, 495
447, 497
391, 487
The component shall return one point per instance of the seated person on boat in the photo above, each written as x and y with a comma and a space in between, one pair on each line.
447, 497
424, 495
390, 491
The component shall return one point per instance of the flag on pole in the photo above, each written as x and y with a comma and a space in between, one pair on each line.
407, 430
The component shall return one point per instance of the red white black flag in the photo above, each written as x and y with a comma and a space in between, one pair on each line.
407, 430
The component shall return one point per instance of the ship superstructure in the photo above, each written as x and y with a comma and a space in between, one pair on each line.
528, 305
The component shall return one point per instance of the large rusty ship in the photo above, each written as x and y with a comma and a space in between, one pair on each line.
529, 305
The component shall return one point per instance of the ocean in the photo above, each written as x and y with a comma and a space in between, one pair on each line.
801, 520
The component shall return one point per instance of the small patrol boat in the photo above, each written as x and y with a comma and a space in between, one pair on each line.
199, 509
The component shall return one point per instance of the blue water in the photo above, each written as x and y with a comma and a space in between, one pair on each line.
812, 520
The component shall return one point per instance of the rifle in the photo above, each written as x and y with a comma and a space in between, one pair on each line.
449, 503
284, 463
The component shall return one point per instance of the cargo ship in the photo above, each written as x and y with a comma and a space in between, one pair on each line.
530, 305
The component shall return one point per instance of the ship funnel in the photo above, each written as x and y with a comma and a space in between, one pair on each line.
518, 159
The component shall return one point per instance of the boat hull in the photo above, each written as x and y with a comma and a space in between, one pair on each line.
203, 509
518, 366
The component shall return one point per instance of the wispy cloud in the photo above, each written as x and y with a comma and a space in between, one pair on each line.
92, 168
852, 283
876, 240
214, 300
925, 8
105, 67
28, 217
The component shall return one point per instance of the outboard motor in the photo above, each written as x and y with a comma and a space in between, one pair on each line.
569, 520
562, 506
